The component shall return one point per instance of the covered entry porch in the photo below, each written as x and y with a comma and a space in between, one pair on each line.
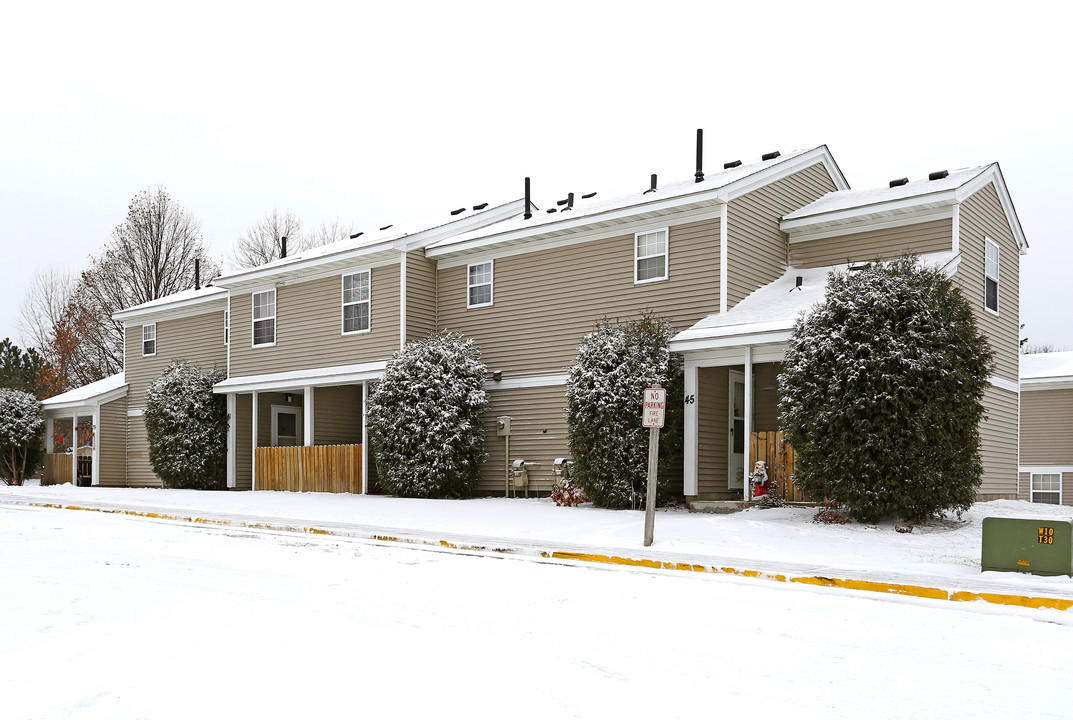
85, 434
303, 431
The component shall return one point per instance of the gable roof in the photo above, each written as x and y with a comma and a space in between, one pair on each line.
95, 393
715, 188
1046, 371
846, 207
183, 303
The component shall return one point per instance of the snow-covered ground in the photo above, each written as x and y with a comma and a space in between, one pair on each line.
113, 616
941, 554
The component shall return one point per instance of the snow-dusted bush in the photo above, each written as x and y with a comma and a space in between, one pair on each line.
21, 425
425, 418
187, 427
882, 393
615, 363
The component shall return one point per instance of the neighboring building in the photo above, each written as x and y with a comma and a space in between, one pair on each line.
1046, 465
716, 255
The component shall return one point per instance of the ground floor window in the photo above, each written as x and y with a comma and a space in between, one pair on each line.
1047, 488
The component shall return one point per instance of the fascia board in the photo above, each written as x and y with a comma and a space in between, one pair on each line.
181, 308
777, 172
729, 356
929, 200
87, 403
318, 377
752, 337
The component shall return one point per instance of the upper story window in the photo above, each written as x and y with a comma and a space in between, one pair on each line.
264, 318
356, 293
149, 339
650, 256
991, 269
227, 327
479, 284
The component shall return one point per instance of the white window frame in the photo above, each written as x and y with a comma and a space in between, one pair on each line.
368, 301
255, 319
1040, 472
470, 285
151, 328
227, 327
988, 244
637, 257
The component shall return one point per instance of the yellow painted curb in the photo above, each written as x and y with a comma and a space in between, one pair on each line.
865, 585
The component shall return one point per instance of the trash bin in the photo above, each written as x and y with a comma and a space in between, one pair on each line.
84, 482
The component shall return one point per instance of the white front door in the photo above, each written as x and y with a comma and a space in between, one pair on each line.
286, 426
736, 436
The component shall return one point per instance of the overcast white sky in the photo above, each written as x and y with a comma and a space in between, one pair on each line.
404, 111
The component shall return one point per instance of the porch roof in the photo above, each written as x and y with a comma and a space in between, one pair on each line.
96, 393
767, 315
295, 379
1047, 371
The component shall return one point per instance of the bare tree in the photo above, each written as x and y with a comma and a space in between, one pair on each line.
327, 234
151, 254
43, 305
1032, 348
260, 243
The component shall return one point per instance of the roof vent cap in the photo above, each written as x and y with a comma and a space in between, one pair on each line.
899, 182
770, 155
938, 175
731, 164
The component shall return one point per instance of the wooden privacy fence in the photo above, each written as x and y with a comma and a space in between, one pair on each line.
57, 469
779, 456
316, 468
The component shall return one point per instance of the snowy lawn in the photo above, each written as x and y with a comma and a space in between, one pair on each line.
109, 616
942, 553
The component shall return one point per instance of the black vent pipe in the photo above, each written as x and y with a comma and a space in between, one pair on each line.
527, 213
699, 175
652, 186
283, 247
197, 273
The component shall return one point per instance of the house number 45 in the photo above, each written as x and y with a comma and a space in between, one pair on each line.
690, 399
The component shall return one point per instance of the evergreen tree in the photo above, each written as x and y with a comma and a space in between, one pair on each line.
615, 363
22, 369
187, 427
425, 418
882, 393
21, 425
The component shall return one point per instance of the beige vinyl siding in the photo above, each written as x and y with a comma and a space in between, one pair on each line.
546, 301
756, 248
420, 296
712, 436
981, 215
309, 327
337, 415
919, 238
1047, 427
538, 435
998, 445
243, 442
112, 443
1024, 487
197, 339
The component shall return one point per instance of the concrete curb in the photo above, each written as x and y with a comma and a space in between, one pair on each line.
931, 593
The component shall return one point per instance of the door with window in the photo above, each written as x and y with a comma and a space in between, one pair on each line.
736, 436
286, 426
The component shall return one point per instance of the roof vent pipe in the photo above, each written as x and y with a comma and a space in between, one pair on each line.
569, 201
527, 213
699, 175
770, 156
899, 182
197, 273
938, 175
652, 185
283, 247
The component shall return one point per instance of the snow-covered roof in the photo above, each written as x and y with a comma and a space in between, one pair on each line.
1050, 370
767, 315
715, 187
184, 300
94, 393
295, 379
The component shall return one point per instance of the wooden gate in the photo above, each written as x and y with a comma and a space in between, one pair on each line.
779, 456
57, 469
316, 468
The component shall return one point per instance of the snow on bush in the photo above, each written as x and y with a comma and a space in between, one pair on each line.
187, 427
615, 363
21, 425
882, 393
425, 418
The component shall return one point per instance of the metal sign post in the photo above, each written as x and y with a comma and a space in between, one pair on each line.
652, 416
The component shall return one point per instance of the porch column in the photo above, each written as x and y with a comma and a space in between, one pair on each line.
690, 483
232, 439
748, 419
95, 471
307, 416
253, 469
49, 437
74, 449
364, 440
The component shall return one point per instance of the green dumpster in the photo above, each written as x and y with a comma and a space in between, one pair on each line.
1041, 546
